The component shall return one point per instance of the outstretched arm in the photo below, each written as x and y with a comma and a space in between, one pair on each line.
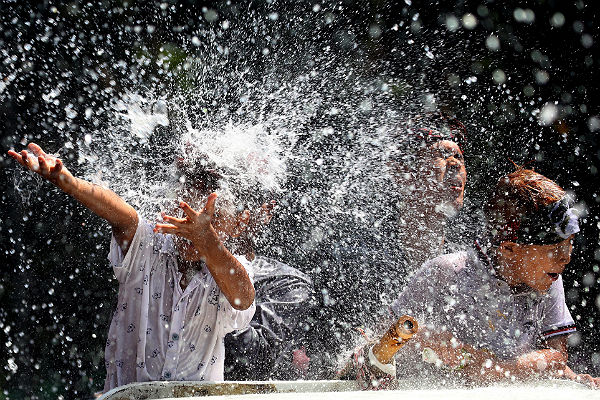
103, 202
228, 273
484, 367
560, 344
550, 362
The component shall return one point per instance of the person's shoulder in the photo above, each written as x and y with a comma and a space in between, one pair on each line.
159, 242
266, 267
449, 263
144, 225
443, 268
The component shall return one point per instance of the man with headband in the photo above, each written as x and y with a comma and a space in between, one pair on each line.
497, 312
429, 169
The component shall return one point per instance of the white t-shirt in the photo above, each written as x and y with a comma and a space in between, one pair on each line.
462, 293
158, 331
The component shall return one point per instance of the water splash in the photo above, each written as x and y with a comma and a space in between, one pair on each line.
300, 139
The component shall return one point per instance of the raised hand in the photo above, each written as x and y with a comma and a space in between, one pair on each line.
101, 201
48, 166
195, 226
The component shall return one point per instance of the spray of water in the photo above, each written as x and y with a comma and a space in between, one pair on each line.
289, 100
143, 164
319, 146
319, 142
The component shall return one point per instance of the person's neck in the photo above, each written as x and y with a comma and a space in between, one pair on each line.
422, 233
187, 269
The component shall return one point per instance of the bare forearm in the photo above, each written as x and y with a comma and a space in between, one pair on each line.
228, 273
545, 362
541, 362
105, 203
231, 276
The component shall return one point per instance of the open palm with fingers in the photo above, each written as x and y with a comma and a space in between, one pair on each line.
195, 226
48, 166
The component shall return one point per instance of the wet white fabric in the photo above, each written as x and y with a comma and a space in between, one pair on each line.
461, 293
158, 331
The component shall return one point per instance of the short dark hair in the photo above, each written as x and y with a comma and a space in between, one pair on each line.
199, 172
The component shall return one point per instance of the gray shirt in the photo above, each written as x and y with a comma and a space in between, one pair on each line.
462, 293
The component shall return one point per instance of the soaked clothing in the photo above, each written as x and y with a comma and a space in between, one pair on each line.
159, 331
265, 349
462, 292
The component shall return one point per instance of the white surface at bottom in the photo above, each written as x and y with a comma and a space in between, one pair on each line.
346, 390
516, 392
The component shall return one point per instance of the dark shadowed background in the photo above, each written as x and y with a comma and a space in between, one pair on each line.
522, 76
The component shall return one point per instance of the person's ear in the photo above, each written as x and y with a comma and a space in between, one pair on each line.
244, 217
267, 212
509, 247
506, 252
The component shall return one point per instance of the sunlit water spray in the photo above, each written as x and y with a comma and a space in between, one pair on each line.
145, 166
268, 96
308, 130
322, 154
318, 143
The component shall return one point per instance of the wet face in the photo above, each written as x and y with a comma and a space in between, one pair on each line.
537, 266
442, 174
227, 225
227, 222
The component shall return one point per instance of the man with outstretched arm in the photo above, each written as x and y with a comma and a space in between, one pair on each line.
180, 290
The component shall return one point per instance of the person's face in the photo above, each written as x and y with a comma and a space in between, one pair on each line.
537, 266
450, 172
440, 174
227, 221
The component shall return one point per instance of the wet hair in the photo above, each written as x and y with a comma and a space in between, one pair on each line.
520, 208
202, 174
422, 131
434, 127
199, 173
